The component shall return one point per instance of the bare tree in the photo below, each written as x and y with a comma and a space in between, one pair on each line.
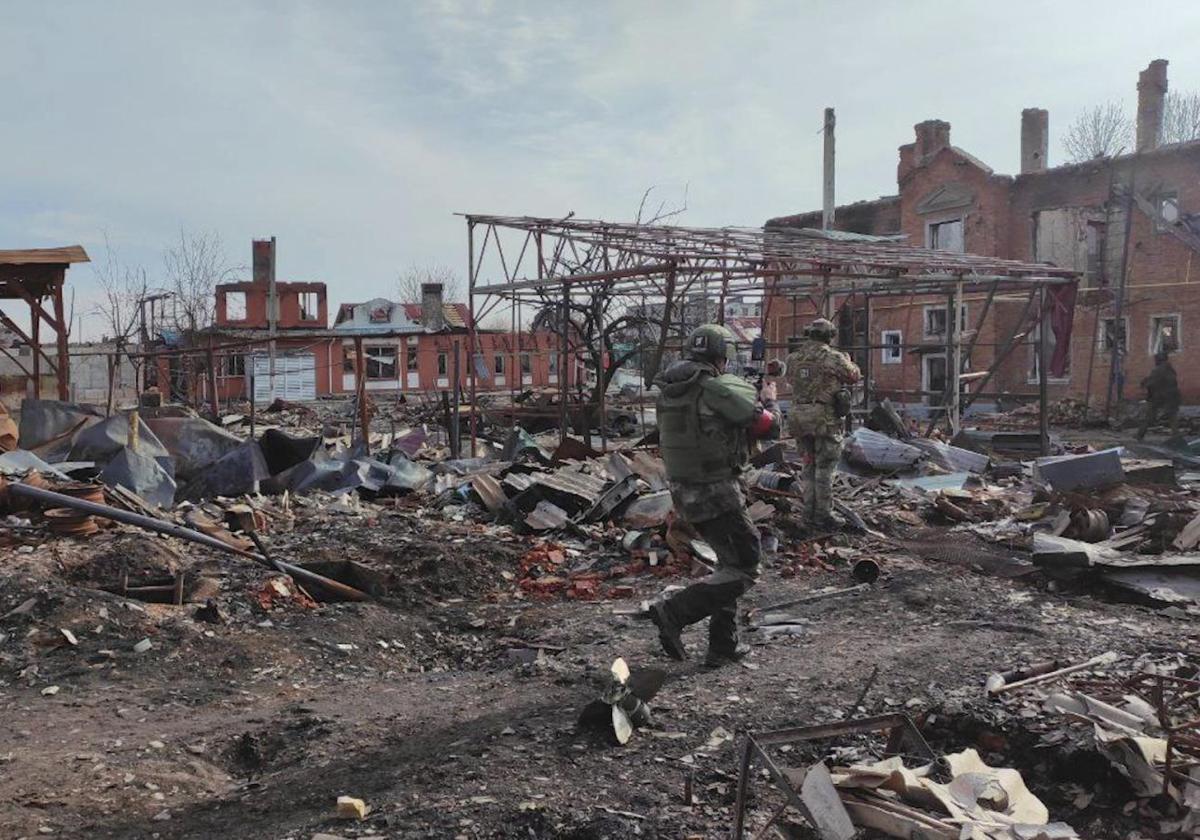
609, 328
122, 289
1181, 117
1101, 131
408, 284
194, 267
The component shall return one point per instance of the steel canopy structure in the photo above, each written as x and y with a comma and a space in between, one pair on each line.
551, 261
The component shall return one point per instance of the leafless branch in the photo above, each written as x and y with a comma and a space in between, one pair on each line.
1181, 117
1101, 131
408, 284
194, 267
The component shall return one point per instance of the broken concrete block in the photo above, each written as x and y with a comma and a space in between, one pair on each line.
1071, 472
349, 808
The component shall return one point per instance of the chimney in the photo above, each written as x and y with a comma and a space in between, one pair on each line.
932, 137
1035, 139
262, 252
431, 307
907, 164
1152, 90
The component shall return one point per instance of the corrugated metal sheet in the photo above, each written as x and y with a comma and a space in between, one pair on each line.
575, 483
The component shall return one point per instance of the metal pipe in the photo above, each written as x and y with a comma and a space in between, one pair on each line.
172, 530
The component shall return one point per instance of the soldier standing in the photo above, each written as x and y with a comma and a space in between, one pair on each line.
706, 418
1162, 394
819, 375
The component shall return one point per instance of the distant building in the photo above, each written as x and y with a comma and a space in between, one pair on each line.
1131, 221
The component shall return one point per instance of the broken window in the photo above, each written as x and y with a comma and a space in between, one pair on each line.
443, 364
235, 364
498, 364
310, 306
381, 314
349, 361
554, 364
892, 352
1165, 334
410, 360
1095, 240
935, 320
526, 364
235, 306
1113, 334
381, 362
1168, 210
947, 236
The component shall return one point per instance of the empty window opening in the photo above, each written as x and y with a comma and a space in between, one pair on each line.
892, 351
1165, 334
235, 306
1113, 334
947, 236
310, 306
381, 362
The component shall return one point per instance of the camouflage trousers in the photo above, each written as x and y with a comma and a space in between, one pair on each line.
735, 540
821, 454
1166, 410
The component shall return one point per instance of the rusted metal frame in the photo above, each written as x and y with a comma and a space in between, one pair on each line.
1009, 345
16, 361
500, 253
36, 348
565, 328
472, 337
34, 302
1043, 375
749, 752
521, 254
62, 333
35, 330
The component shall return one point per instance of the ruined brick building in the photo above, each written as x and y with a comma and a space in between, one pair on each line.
1130, 224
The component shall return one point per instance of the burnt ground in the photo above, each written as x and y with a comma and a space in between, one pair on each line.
435, 707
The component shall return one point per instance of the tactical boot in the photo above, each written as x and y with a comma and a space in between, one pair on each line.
668, 632
717, 658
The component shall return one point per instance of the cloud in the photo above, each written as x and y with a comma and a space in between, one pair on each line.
353, 132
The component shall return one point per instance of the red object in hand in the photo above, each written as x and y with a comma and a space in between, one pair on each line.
762, 425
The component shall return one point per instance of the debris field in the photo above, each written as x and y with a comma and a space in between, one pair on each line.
209, 633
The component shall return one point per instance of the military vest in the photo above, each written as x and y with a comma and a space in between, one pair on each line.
813, 371
697, 443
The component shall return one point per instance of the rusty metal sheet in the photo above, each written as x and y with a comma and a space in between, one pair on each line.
582, 485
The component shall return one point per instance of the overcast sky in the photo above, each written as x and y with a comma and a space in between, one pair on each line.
353, 131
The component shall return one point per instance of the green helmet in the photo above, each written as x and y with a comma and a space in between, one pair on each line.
821, 329
711, 343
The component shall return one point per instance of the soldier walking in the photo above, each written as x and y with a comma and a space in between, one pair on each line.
1162, 395
819, 373
706, 419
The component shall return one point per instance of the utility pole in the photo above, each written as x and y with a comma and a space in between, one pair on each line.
272, 322
827, 201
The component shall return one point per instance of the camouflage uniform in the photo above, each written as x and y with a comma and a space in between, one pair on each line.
817, 372
704, 417
1162, 396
